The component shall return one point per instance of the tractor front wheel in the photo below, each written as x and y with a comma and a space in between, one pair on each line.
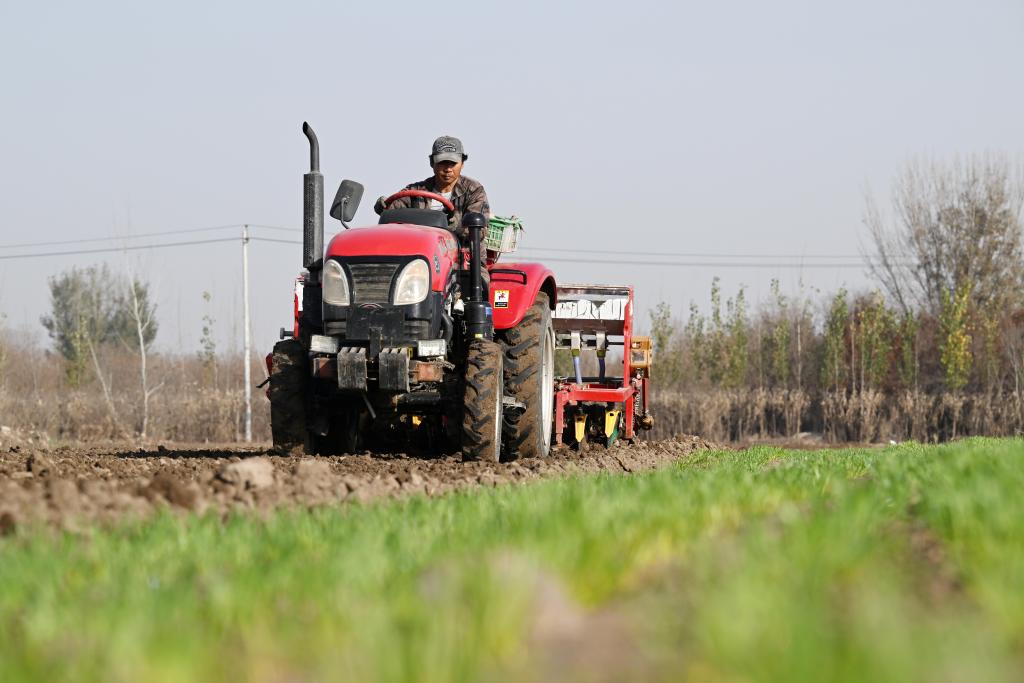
482, 402
288, 388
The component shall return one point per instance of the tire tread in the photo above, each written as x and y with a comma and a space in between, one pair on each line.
483, 380
523, 357
288, 384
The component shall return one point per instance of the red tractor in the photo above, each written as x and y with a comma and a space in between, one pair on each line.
398, 341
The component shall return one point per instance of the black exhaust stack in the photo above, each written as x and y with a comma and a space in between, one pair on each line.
479, 320
312, 207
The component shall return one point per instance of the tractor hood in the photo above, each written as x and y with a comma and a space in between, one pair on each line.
436, 246
396, 239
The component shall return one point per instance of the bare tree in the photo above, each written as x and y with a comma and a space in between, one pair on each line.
142, 315
955, 224
3, 349
91, 309
106, 383
1013, 342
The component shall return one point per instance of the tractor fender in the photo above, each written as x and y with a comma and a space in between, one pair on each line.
514, 288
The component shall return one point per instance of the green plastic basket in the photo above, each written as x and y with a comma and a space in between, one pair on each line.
503, 234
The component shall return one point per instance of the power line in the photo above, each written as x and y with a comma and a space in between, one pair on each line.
704, 264
691, 264
274, 227
126, 237
285, 228
618, 262
696, 255
271, 239
685, 254
113, 249
159, 233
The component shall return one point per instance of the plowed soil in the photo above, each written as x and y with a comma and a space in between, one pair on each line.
72, 488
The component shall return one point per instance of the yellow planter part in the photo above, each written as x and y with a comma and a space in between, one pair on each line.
611, 421
581, 427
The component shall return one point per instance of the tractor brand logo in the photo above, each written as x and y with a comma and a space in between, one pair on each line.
501, 298
372, 307
437, 265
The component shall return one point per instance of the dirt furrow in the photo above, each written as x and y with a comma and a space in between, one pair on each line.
72, 488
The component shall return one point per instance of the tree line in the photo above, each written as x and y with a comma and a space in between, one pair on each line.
944, 323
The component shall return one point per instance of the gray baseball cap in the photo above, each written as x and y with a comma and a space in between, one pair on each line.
447, 148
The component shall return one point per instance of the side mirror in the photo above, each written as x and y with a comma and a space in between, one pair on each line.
346, 201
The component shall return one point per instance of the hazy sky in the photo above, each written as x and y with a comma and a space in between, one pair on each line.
732, 128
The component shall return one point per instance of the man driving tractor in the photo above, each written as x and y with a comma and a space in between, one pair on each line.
466, 194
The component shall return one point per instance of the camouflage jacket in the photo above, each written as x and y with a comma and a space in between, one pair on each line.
467, 195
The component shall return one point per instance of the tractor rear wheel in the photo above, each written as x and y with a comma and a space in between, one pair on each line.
530, 379
482, 402
288, 387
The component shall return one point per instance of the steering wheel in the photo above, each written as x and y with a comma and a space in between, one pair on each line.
448, 206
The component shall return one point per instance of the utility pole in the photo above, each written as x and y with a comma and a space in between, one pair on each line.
245, 323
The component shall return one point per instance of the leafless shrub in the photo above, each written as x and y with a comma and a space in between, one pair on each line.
956, 225
838, 417
35, 397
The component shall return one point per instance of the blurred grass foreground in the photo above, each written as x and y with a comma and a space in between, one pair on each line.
848, 565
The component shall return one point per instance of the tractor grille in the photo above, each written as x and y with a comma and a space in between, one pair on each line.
412, 330
371, 282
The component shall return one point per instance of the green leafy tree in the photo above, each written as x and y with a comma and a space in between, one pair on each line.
834, 364
696, 342
666, 364
208, 345
803, 337
736, 349
955, 347
82, 309
779, 337
989, 331
875, 329
715, 356
90, 307
3, 343
134, 321
909, 364
661, 327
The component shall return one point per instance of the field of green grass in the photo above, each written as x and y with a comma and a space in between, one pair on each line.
896, 564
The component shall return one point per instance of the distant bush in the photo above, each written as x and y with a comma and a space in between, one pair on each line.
36, 396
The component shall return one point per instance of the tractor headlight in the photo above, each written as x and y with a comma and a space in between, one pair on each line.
335, 284
413, 283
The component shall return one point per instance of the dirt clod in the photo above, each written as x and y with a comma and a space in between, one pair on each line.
39, 464
7, 523
255, 473
173, 490
312, 470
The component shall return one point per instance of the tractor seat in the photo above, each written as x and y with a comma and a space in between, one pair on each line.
427, 217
